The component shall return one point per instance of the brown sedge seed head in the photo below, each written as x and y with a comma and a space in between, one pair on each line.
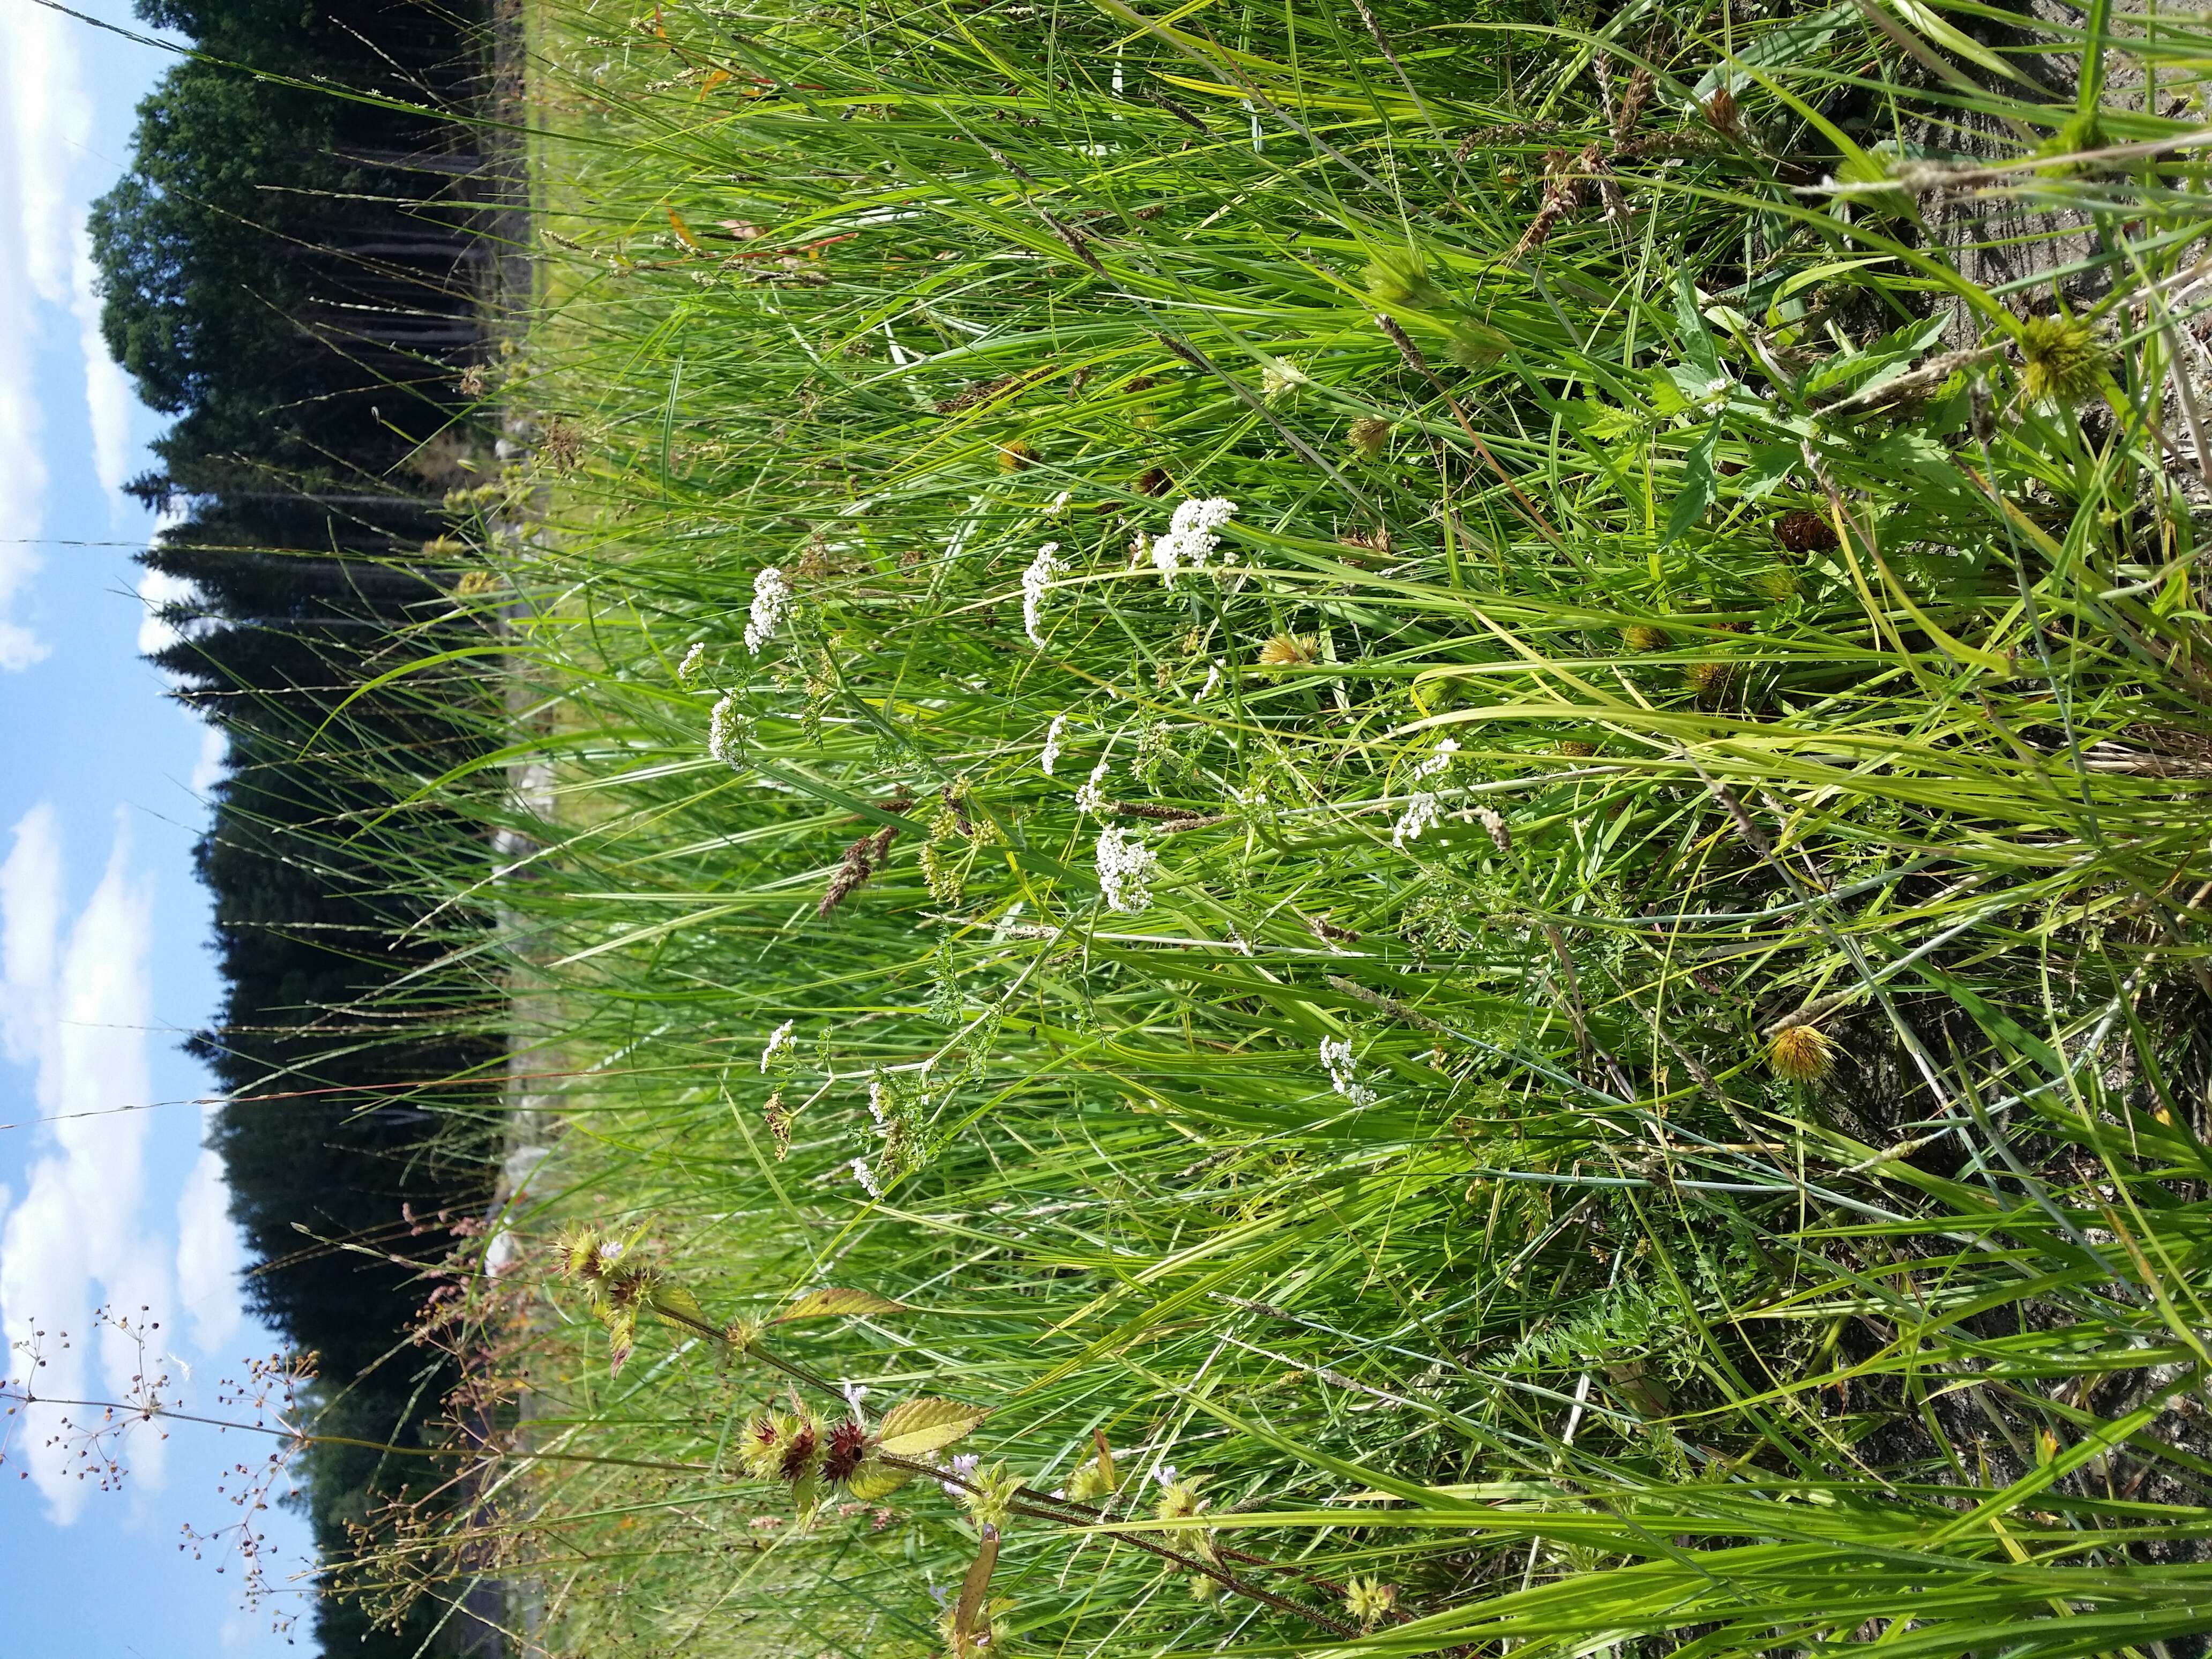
1805, 532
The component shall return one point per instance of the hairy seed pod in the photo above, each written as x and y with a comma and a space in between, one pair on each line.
1805, 532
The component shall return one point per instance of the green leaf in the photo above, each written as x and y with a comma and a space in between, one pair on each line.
915, 1426
834, 1304
874, 1480
679, 1307
1698, 486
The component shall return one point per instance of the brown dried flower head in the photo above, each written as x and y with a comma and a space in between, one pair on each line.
1369, 436
1805, 532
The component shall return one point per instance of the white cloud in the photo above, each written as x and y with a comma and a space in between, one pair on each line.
107, 398
210, 1253
51, 118
156, 589
214, 762
78, 1003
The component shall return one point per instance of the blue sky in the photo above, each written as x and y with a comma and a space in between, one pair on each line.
107, 1196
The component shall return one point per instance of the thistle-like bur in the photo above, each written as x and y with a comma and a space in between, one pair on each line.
1801, 1054
1643, 636
1805, 531
2063, 362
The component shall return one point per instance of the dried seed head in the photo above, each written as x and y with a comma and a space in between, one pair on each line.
1576, 748
1720, 113
1802, 1054
1643, 636
1805, 532
1285, 651
1369, 437
1017, 456
2063, 360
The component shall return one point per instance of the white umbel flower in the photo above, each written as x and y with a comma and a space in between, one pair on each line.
1125, 871
1091, 797
771, 595
726, 733
690, 666
1343, 1071
1050, 757
780, 1042
1034, 579
1421, 813
866, 1178
1439, 757
1193, 534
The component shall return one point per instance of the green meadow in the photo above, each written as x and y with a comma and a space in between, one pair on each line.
1365, 829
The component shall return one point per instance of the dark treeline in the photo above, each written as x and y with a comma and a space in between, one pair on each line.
296, 269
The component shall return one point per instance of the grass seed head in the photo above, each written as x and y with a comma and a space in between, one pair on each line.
1711, 681
1475, 345
1400, 276
2063, 362
1016, 456
1370, 1600
1369, 437
1286, 651
1802, 1054
1643, 636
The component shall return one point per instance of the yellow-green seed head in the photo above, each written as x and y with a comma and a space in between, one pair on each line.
1475, 345
1400, 276
1370, 1600
1369, 437
1643, 636
2063, 360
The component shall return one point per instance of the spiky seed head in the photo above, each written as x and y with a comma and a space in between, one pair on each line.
1805, 532
1016, 456
2063, 360
1575, 748
1643, 636
1475, 345
1776, 582
1802, 1054
1369, 436
1285, 651
1711, 681
2080, 133
582, 1254
1400, 276
1370, 1600
848, 1445
739, 1335
1720, 112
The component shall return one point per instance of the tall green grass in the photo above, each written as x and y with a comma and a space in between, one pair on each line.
1654, 1100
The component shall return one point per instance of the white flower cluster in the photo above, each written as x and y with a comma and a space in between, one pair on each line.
771, 595
1124, 870
690, 666
726, 733
1034, 579
1193, 534
866, 1178
780, 1042
1213, 679
1343, 1072
1439, 757
1091, 797
965, 1465
1421, 813
1050, 758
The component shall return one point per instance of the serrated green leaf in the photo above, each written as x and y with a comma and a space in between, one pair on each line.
915, 1426
677, 1305
1698, 485
834, 1304
874, 1480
